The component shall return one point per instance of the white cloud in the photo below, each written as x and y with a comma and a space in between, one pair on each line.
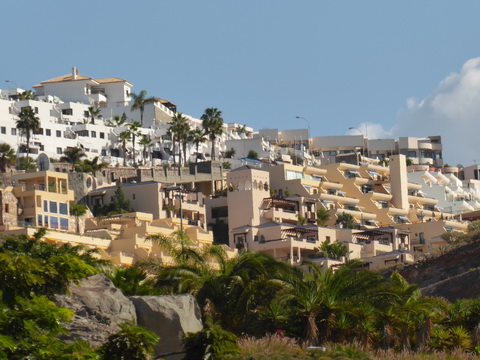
452, 110
371, 130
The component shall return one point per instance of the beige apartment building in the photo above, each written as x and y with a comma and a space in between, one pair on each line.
265, 205
43, 200
122, 238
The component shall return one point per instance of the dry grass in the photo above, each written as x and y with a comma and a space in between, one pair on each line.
272, 344
277, 347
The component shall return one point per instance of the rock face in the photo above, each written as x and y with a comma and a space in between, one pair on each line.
99, 307
170, 317
454, 275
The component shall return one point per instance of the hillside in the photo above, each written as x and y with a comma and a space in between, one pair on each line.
453, 275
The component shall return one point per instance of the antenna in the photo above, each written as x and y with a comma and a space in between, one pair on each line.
43, 162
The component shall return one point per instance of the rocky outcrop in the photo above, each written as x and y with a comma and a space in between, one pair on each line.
99, 307
170, 317
453, 275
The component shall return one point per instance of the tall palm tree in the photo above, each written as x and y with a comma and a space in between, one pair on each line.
7, 156
124, 138
139, 102
212, 123
78, 210
93, 113
197, 137
179, 130
27, 123
73, 155
134, 131
146, 142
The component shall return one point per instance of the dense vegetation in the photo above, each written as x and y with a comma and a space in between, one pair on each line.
253, 306
32, 272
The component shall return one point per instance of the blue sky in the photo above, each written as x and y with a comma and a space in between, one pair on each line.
337, 63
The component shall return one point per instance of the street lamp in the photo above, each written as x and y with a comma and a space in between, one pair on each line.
179, 188
13, 82
365, 141
308, 135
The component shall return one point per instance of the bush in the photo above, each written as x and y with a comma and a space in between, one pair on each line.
212, 342
131, 342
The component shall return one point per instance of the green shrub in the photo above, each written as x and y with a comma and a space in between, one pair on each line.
212, 342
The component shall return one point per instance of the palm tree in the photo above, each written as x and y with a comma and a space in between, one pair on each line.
139, 102
73, 155
146, 142
242, 129
179, 130
27, 123
118, 120
323, 216
212, 123
26, 95
124, 138
134, 131
7, 156
197, 136
93, 113
92, 166
78, 210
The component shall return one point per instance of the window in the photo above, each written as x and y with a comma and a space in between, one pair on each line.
412, 154
7, 208
329, 153
133, 196
45, 205
104, 152
93, 134
36, 110
63, 209
59, 133
53, 222
48, 132
45, 218
39, 220
3, 130
14, 131
291, 175
67, 112
63, 224
422, 238
53, 207
59, 151
102, 135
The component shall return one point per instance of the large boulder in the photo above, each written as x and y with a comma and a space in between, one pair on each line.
99, 307
170, 317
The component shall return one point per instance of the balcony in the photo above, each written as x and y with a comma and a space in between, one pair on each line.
338, 199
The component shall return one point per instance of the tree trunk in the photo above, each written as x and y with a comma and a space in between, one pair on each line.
213, 149
28, 143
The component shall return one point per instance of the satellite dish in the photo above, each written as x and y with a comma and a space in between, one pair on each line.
43, 162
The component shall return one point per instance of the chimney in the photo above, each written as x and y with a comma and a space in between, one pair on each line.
74, 73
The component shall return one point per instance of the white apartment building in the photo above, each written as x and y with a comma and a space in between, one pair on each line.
424, 151
61, 105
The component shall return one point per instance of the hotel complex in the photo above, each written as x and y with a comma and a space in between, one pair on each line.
396, 194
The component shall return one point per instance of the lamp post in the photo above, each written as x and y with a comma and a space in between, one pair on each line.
179, 188
364, 136
308, 134
13, 82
